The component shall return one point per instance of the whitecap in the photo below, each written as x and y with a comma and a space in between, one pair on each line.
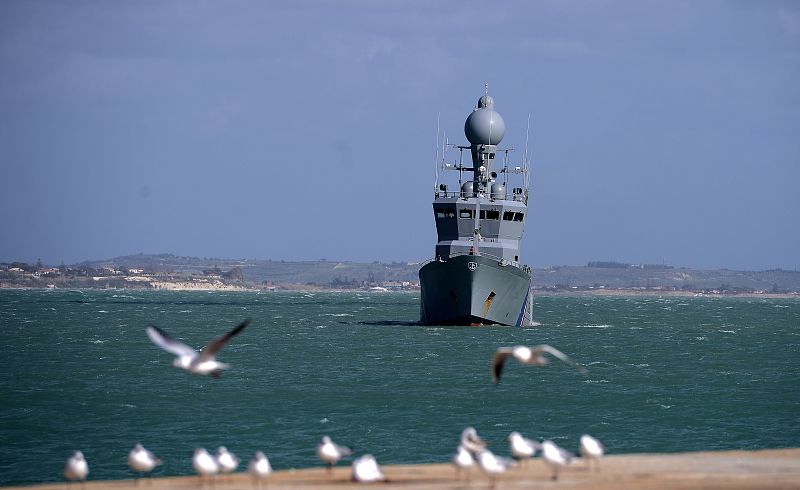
185, 311
593, 326
102, 311
700, 338
665, 407
595, 363
726, 331
594, 381
324, 420
98, 341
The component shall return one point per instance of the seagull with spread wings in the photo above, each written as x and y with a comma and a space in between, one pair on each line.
203, 362
532, 356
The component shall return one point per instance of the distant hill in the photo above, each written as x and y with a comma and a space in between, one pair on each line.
612, 275
318, 272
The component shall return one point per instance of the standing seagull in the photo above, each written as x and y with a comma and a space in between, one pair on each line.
555, 457
522, 447
493, 465
76, 468
204, 464
141, 460
462, 460
227, 461
188, 359
366, 470
591, 449
533, 356
259, 467
330, 452
471, 441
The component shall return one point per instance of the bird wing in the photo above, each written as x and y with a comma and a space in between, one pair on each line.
565, 454
544, 348
211, 349
343, 450
498, 361
166, 342
534, 444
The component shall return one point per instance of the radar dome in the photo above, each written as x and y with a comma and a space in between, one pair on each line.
486, 101
485, 126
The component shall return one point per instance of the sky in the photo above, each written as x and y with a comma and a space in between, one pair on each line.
661, 132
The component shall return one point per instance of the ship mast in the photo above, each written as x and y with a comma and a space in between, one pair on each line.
484, 129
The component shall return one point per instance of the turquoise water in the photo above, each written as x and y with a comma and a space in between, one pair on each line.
671, 374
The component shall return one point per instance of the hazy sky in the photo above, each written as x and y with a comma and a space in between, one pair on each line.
661, 131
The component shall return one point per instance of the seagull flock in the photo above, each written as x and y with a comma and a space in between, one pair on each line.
471, 451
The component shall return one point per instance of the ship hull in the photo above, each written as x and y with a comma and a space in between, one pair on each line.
473, 290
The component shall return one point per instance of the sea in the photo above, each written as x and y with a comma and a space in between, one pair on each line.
665, 374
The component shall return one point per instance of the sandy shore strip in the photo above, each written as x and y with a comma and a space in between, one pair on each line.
763, 469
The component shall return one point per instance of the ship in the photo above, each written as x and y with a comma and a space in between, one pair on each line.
476, 276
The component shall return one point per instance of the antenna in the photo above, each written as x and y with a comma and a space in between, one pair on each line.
526, 160
436, 161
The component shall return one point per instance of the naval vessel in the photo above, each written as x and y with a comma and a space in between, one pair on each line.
476, 276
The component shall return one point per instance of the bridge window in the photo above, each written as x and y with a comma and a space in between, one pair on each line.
490, 214
519, 216
508, 216
442, 213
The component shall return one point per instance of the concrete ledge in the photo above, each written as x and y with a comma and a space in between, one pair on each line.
764, 469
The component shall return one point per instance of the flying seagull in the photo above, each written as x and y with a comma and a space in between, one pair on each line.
330, 452
188, 359
534, 356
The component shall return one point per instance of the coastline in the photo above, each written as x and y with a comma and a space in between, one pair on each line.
227, 287
737, 469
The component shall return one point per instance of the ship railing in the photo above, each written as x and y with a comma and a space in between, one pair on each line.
500, 260
444, 194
